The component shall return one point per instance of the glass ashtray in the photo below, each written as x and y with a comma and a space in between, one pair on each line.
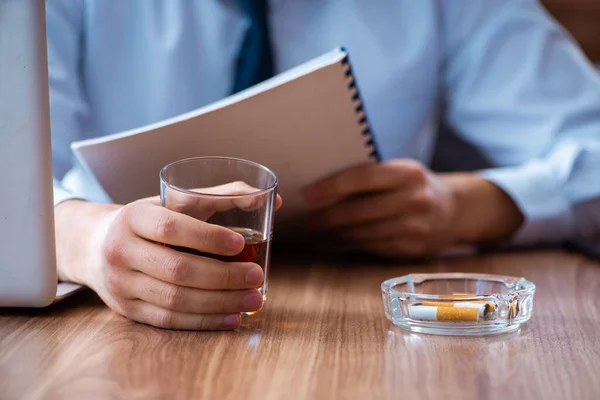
458, 303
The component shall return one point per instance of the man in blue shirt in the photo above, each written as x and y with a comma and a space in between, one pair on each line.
501, 73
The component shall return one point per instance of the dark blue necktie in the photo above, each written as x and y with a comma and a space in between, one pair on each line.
255, 62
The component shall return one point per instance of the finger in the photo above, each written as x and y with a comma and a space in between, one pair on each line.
243, 196
372, 208
184, 269
364, 179
201, 203
358, 210
159, 317
202, 207
241, 188
155, 200
161, 225
191, 300
401, 226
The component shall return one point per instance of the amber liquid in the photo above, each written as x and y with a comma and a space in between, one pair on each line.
256, 250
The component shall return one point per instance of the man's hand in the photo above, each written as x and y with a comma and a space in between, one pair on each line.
119, 252
400, 208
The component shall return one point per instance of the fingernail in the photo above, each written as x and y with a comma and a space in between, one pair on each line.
235, 242
252, 301
232, 321
255, 277
311, 194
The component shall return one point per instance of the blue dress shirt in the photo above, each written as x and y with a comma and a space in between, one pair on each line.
502, 73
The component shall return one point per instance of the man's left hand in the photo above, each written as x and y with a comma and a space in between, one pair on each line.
400, 208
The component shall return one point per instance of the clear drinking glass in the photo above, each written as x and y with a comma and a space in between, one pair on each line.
229, 192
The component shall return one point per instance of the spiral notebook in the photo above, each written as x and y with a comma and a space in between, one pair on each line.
304, 124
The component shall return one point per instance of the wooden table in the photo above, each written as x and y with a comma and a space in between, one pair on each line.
323, 336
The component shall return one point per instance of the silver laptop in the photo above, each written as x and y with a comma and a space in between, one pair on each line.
27, 252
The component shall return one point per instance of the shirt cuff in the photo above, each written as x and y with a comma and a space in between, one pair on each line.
535, 190
61, 194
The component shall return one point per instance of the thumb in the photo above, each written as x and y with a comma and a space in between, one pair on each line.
154, 200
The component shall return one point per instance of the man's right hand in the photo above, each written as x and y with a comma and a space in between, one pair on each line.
118, 251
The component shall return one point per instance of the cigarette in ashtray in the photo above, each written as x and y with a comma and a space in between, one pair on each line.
451, 311
459, 295
448, 312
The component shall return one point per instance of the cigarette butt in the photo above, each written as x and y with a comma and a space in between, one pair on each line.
490, 304
434, 313
483, 306
455, 296
457, 314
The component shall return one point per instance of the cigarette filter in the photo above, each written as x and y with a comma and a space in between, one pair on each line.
491, 304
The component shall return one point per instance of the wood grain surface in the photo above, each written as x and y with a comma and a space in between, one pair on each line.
323, 335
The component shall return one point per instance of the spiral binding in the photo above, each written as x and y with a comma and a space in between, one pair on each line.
360, 109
